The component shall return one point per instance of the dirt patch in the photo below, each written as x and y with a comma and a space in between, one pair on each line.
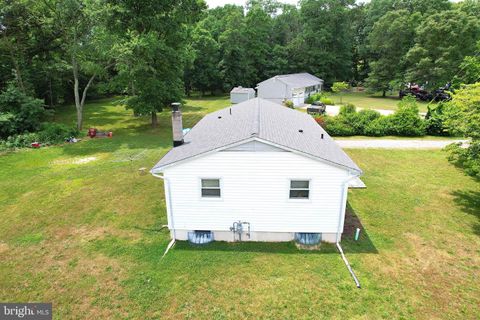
3, 247
75, 160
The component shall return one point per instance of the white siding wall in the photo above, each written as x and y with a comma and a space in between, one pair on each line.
274, 90
255, 188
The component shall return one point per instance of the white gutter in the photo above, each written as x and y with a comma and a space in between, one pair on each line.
342, 217
343, 201
169, 205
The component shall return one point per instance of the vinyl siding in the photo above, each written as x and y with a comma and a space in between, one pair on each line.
255, 188
274, 89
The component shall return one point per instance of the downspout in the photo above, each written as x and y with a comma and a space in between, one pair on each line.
343, 208
169, 205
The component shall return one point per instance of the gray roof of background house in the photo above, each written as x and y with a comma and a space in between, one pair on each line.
263, 119
298, 80
242, 90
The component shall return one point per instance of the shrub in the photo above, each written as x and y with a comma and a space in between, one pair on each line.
52, 133
25, 112
288, 104
18, 141
406, 121
363, 119
336, 126
321, 120
378, 127
347, 109
435, 120
327, 101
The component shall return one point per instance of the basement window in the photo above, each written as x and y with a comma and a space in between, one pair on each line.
211, 188
299, 189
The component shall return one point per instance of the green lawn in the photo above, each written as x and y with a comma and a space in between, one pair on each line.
373, 101
81, 227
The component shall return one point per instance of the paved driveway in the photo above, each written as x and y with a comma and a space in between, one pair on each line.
396, 144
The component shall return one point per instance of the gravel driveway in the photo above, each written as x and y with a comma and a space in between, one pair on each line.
396, 144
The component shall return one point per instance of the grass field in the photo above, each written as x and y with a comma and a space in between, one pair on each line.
373, 101
82, 228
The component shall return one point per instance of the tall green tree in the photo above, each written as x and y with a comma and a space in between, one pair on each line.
234, 64
257, 44
151, 51
203, 73
86, 45
327, 37
464, 120
442, 41
390, 40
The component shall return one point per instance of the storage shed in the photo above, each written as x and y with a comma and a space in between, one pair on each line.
240, 94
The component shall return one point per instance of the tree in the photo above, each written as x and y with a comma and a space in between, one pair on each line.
339, 87
469, 69
257, 44
86, 45
21, 112
464, 119
234, 64
391, 37
151, 51
327, 39
443, 40
203, 74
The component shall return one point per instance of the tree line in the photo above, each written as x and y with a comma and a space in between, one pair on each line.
155, 52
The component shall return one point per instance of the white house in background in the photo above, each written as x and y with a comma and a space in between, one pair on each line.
295, 87
256, 171
240, 94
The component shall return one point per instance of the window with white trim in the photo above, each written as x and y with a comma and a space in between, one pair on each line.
211, 188
299, 189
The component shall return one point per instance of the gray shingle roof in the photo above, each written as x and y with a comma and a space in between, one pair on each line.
298, 80
262, 119
242, 90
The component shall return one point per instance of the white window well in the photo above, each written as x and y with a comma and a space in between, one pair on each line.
211, 188
299, 189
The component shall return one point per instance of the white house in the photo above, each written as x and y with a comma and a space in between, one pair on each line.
240, 94
295, 87
256, 171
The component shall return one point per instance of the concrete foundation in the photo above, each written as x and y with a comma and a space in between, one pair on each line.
259, 236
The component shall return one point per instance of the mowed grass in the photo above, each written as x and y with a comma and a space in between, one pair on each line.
81, 227
372, 101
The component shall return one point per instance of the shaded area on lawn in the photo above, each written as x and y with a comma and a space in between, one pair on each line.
364, 243
469, 202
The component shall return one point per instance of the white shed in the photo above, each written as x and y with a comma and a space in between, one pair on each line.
240, 94
295, 87
256, 171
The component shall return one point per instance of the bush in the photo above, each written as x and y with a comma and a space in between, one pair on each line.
363, 119
327, 101
406, 121
435, 120
321, 120
378, 127
52, 133
347, 109
288, 104
25, 113
336, 126
18, 141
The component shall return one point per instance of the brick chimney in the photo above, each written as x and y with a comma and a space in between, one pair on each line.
177, 126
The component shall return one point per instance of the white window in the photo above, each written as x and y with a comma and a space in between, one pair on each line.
299, 189
211, 188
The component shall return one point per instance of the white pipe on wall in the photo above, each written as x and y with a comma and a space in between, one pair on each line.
169, 209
